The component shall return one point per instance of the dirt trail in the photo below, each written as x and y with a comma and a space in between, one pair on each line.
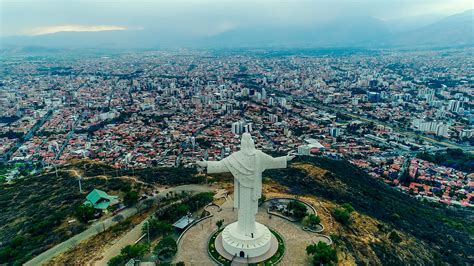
129, 178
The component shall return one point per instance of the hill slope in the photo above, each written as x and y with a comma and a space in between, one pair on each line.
446, 234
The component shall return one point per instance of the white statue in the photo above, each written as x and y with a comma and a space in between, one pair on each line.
246, 166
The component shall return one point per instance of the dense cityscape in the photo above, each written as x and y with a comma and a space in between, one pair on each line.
381, 110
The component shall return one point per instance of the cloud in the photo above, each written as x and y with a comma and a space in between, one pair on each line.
74, 28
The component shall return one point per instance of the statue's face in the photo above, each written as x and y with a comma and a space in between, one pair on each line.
247, 145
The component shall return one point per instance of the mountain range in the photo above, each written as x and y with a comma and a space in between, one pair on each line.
364, 32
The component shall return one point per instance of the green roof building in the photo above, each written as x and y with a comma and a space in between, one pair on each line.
99, 199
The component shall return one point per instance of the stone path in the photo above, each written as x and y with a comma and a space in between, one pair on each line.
193, 246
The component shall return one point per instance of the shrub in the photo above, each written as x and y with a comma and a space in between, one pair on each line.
322, 253
157, 228
394, 237
116, 261
311, 220
134, 251
299, 209
167, 243
348, 207
342, 215
200, 200
84, 213
130, 198
166, 247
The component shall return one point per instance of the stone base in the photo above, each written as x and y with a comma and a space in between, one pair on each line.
243, 246
237, 261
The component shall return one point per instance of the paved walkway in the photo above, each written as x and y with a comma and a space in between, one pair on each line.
193, 247
100, 226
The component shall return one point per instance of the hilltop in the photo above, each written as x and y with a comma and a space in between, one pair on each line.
387, 227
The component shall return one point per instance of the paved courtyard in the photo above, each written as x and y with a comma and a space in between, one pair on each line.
193, 247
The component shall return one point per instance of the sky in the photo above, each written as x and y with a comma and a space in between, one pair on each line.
202, 17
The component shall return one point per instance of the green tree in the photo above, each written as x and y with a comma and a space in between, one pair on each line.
394, 237
134, 251
348, 207
130, 198
84, 213
167, 244
342, 215
322, 253
157, 228
297, 208
311, 220
118, 260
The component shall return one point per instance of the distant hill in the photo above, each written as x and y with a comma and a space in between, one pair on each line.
367, 32
439, 234
455, 30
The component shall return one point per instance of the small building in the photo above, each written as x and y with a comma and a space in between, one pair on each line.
184, 222
99, 199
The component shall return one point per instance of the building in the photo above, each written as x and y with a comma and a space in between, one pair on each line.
335, 132
304, 150
237, 128
99, 199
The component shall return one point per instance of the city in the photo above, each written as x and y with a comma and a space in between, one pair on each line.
162, 109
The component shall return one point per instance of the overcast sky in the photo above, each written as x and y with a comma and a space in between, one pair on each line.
208, 17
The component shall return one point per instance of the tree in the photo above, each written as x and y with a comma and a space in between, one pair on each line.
157, 228
200, 200
219, 223
130, 198
134, 251
298, 209
116, 261
348, 207
394, 237
167, 244
342, 215
322, 253
311, 220
85, 213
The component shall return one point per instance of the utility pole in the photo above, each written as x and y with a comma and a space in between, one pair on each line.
80, 185
148, 234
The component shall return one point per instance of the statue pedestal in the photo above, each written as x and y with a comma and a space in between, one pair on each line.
236, 243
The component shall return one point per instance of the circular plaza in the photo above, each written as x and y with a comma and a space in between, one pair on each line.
202, 243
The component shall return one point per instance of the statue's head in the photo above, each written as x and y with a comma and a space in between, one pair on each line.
247, 145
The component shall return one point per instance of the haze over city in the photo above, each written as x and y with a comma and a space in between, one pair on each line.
153, 24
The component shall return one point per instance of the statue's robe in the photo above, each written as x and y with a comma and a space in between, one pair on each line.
247, 171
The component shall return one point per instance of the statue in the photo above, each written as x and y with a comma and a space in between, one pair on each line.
246, 166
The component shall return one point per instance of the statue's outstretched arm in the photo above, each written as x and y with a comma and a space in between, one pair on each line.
277, 162
213, 166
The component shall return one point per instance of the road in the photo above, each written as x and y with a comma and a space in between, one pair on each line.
133, 235
28, 136
447, 144
185, 144
100, 226
69, 135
